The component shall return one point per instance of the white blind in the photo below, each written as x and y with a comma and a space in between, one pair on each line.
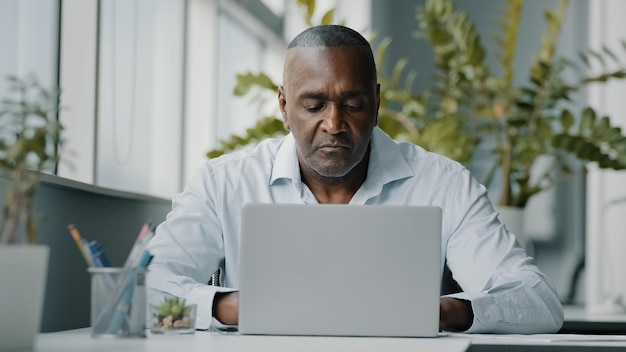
606, 237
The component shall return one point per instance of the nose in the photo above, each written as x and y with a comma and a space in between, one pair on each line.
333, 122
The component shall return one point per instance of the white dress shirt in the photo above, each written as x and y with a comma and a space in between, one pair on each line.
507, 291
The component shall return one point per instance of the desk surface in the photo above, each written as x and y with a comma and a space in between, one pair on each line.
80, 340
579, 321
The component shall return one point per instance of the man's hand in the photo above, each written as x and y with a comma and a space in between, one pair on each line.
455, 314
226, 307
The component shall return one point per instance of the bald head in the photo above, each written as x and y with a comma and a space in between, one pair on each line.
334, 36
329, 36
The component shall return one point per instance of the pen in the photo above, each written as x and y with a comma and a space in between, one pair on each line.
77, 239
144, 235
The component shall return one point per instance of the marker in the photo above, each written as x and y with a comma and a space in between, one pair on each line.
100, 259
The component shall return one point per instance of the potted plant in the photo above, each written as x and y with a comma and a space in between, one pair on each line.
29, 142
470, 105
528, 123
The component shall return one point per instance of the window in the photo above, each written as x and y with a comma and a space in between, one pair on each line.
140, 95
147, 84
28, 40
244, 44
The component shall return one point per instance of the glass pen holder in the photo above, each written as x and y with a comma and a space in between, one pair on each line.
118, 302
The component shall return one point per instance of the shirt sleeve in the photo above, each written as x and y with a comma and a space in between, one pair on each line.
188, 248
507, 291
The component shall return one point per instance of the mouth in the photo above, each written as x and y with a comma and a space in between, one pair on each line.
332, 147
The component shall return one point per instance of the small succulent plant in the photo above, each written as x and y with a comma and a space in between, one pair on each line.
173, 313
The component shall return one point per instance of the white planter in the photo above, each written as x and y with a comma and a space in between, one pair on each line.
23, 271
513, 220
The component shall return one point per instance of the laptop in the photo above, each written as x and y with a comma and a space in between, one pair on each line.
340, 270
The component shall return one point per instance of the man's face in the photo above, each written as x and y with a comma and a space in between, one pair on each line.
330, 103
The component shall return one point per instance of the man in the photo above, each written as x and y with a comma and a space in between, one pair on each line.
336, 154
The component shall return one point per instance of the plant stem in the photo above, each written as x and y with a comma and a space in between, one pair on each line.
18, 206
603, 77
506, 157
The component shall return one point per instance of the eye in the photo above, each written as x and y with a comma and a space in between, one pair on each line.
313, 108
313, 105
353, 106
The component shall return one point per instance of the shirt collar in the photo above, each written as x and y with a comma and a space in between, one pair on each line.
387, 162
286, 161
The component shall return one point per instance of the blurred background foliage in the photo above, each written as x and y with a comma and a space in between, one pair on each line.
30, 139
468, 103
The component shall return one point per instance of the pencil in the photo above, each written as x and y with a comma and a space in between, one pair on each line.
76, 237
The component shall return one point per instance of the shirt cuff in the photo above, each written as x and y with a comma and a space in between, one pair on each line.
486, 313
203, 297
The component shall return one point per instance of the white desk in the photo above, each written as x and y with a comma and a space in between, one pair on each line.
80, 340
577, 320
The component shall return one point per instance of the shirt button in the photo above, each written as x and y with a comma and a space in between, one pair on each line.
486, 314
519, 317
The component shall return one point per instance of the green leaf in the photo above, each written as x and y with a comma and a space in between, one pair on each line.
439, 37
310, 10
560, 140
567, 120
543, 129
598, 57
264, 128
587, 120
248, 80
551, 19
328, 17
381, 50
610, 53
214, 154
397, 70
601, 127
525, 106
409, 81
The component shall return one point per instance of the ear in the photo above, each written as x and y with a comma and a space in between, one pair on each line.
282, 104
